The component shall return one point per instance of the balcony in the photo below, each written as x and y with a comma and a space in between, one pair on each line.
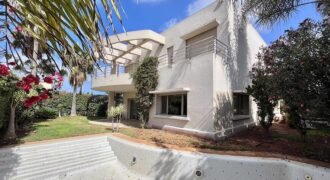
113, 79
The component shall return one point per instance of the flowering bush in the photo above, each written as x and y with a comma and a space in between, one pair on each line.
4, 70
296, 67
28, 82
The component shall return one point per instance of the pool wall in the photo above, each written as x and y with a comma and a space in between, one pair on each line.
158, 163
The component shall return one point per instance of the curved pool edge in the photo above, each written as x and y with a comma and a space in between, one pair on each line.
162, 163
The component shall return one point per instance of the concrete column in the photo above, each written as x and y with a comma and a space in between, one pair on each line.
113, 67
125, 103
111, 99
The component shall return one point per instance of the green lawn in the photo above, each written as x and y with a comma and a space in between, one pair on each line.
63, 127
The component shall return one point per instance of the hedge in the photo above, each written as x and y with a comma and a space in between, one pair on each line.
87, 105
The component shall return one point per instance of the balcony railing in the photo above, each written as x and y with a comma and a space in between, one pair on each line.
194, 49
107, 70
197, 48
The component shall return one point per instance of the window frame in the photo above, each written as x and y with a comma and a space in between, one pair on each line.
183, 105
240, 96
170, 55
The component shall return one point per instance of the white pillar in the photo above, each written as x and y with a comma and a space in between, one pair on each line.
111, 99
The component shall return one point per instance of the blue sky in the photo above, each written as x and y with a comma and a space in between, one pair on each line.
158, 15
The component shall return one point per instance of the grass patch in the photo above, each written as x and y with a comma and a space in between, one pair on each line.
62, 128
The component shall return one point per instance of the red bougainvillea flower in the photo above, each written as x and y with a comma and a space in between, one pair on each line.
48, 79
26, 87
12, 63
26, 83
19, 28
4, 70
44, 95
29, 79
29, 102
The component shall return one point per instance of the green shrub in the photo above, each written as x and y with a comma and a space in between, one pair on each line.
87, 105
45, 113
145, 80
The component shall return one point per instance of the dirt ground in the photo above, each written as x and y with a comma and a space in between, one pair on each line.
281, 142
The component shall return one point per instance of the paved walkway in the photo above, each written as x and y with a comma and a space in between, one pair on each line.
123, 124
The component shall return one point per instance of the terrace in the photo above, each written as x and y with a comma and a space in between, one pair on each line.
115, 73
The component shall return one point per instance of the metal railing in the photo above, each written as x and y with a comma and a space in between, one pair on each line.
192, 50
107, 70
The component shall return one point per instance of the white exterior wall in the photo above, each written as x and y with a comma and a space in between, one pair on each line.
211, 78
195, 74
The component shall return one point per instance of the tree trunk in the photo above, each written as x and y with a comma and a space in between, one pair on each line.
11, 132
73, 107
35, 57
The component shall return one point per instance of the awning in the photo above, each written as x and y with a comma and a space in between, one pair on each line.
170, 91
127, 47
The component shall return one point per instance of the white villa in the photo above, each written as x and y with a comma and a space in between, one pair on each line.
204, 62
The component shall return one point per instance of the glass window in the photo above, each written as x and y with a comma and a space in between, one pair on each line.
164, 105
185, 104
170, 55
174, 105
241, 104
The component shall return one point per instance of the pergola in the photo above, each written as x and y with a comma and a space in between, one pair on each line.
125, 48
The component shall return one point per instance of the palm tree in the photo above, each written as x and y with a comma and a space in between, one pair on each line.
76, 79
269, 12
82, 66
65, 25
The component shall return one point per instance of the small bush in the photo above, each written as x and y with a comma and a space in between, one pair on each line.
45, 113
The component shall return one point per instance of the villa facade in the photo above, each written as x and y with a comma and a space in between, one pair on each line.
204, 62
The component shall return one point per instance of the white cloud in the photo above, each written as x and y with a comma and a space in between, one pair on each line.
147, 1
197, 5
170, 23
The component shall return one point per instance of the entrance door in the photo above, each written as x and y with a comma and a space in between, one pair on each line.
132, 110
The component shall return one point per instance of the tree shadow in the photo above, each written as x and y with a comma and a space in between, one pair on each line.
223, 114
178, 166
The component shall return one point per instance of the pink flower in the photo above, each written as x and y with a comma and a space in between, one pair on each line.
19, 28
10, 10
4, 70
58, 75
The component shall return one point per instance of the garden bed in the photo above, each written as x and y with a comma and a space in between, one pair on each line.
281, 142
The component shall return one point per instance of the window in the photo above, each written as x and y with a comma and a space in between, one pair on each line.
174, 105
201, 43
170, 55
241, 104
